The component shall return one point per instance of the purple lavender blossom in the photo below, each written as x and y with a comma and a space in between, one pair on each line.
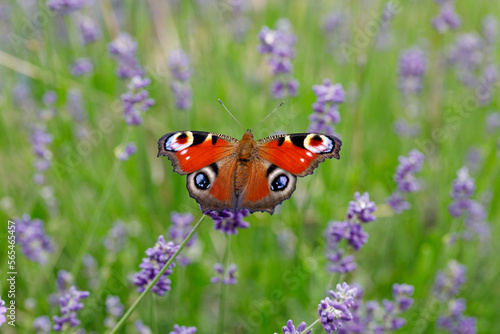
474, 159
290, 328
180, 68
42, 325
228, 222
448, 282
238, 23
80, 67
3, 310
124, 50
454, 321
141, 328
43, 156
361, 208
124, 153
183, 330
333, 312
374, 317
91, 271
49, 98
404, 128
326, 113
65, 7
462, 189
405, 172
279, 45
70, 303
114, 310
136, 100
115, 239
158, 256
398, 202
179, 230
412, 68
35, 244
89, 30
447, 19
227, 277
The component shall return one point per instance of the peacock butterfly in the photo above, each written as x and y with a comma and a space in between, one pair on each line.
226, 173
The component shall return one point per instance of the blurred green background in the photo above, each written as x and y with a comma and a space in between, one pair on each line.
276, 282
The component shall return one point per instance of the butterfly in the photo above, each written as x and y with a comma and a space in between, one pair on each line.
226, 173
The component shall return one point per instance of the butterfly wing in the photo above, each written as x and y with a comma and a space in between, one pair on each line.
299, 153
277, 162
209, 160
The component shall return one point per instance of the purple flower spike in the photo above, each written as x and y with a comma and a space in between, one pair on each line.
180, 68
41, 325
447, 19
35, 244
412, 68
70, 303
114, 310
221, 275
183, 330
405, 172
124, 50
115, 240
80, 67
3, 310
141, 328
361, 208
180, 228
89, 30
228, 222
136, 100
449, 282
398, 202
333, 312
65, 7
326, 113
279, 46
290, 328
493, 121
124, 153
158, 256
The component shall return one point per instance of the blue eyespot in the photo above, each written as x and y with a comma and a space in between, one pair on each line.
201, 181
279, 183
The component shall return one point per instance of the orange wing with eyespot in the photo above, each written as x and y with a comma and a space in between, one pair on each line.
190, 151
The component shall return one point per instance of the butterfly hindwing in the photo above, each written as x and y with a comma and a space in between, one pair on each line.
299, 153
190, 151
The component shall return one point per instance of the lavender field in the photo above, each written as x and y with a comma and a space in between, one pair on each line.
99, 235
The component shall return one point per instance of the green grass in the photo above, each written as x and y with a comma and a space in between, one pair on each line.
273, 286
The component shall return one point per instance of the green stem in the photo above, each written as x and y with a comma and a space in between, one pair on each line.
222, 304
157, 278
311, 326
98, 211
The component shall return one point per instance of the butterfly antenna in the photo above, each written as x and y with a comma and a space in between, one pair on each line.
269, 115
231, 114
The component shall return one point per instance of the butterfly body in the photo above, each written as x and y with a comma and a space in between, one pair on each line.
226, 173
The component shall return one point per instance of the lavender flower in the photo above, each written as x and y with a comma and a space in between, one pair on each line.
35, 244
326, 113
179, 230
124, 50
158, 256
333, 312
359, 211
375, 317
404, 128
279, 46
43, 156
123, 153
290, 328
141, 328
406, 180
447, 19
180, 67
91, 271
42, 325
80, 67
136, 100
89, 30
3, 310
115, 240
412, 68
454, 321
183, 330
49, 98
238, 23
448, 282
228, 222
221, 275
70, 303
65, 7
474, 158
492, 121
114, 310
